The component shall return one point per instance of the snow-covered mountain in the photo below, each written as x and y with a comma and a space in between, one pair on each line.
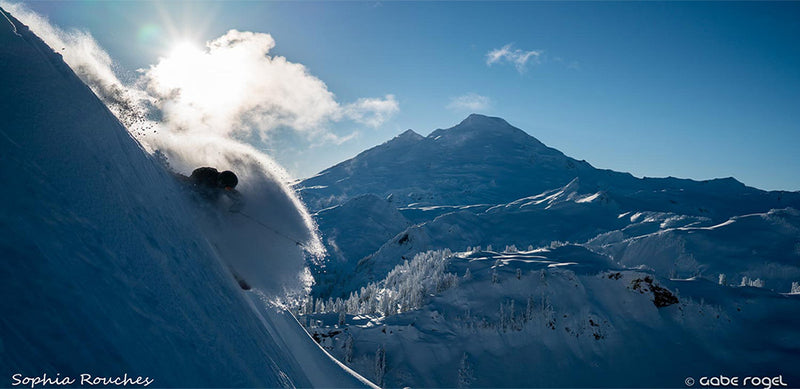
110, 268
485, 160
480, 160
509, 264
485, 182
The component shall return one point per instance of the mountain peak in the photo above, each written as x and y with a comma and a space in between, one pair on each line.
483, 120
410, 134
483, 129
476, 123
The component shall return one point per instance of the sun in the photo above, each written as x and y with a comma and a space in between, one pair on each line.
185, 51
206, 79
181, 65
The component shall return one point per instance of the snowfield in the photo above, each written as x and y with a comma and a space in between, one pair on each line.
110, 267
560, 317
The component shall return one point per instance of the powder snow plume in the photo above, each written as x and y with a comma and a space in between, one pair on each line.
197, 106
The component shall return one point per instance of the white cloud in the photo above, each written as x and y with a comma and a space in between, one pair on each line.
472, 102
232, 89
372, 111
519, 58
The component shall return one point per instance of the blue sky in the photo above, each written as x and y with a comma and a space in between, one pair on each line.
695, 90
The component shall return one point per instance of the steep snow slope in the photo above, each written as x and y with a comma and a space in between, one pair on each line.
372, 221
107, 267
763, 246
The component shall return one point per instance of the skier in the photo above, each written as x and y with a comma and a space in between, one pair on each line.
209, 181
210, 184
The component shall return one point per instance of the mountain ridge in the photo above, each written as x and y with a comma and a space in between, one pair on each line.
487, 160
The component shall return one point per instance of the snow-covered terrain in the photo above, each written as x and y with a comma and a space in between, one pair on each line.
484, 182
547, 271
113, 267
553, 318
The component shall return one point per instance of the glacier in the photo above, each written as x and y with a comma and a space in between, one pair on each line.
109, 267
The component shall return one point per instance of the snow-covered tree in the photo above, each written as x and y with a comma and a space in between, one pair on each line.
495, 277
404, 288
747, 281
467, 275
529, 309
512, 315
548, 313
348, 348
556, 244
320, 306
503, 317
380, 365
519, 273
466, 375
723, 280
795, 287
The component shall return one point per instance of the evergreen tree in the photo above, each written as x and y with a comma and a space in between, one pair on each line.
529, 309
348, 348
465, 373
503, 320
380, 365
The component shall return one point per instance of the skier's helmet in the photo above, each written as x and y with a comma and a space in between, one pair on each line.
227, 180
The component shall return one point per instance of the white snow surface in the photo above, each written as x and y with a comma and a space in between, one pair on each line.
562, 317
111, 267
